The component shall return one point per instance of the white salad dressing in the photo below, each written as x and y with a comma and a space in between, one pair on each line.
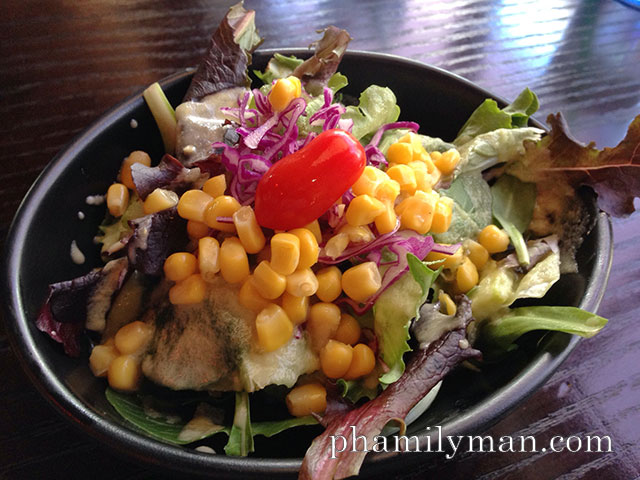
133, 123
76, 255
95, 199
80, 215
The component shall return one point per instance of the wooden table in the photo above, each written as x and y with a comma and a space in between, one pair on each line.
62, 63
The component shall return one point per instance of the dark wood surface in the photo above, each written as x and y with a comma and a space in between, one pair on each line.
63, 63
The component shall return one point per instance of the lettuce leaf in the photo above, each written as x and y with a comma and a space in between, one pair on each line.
241, 437
488, 116
377, 107
279, 66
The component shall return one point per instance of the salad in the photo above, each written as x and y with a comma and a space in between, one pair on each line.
323, 258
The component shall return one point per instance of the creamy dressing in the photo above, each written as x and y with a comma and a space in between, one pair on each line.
133, 123
80, 215
95, 199
76, 255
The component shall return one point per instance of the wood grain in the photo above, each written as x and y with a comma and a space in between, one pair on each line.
63, 63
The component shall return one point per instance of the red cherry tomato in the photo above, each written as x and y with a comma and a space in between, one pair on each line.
302, 186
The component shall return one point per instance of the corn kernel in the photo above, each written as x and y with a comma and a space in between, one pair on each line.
307, 399
447, 161
309, 248
189, 291
361, 281
302, 283
336, 245
329, 284
179, 266
368, 181
387, 191
222, 206
446, 261
215, 186
197, 230
285, 253
335, 358
137, 156
117, 199
133, 338
269, 283
476, 253
362, 362
158, 200
234, 263
386, 222
250, 298
466, 276
125, 373
441, 218
359, 234
447, 305
193, 204
400, 152
416, 212
494, 239
322, 324
297, 308
208, 258
423, 178
314, 227
349, 330
363, 209
249, 232
273, 327
403, 174
283, 92
100, 359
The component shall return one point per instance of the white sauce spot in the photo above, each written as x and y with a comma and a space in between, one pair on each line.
464, 343
80, 215
95, 199
76, 255
205, 449
133, 123
189, 150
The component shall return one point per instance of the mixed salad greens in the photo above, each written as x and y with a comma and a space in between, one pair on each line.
289, 245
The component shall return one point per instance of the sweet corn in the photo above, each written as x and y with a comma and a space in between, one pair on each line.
361, 281
349, 330
193, 204
215, 186
322, 324
249, 232
283, 92
234, 263
336, 245
179, 266
302, 283
208, 258
446, 261
423, 177
117, 199
125, 373
335, 359
309, 248
447, 305
329, 283
158, 200
403, 174
368, 181
297, 308
137, 156
307, 399
400, 152
387, 191
285, 253
222, 206
363, 362
100, 359
250, 298
314, 227
358, 234
416, 212
494, 239
386, 221
476, 253
447, 161
363, 209
269, 283
133, 338
466, 276
441, 217
273, 327
197, 230
189, 291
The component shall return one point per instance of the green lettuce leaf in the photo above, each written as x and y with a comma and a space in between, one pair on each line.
488, 116
354, 390
377, 107
271, 428
113, 232
241, 436
393, 312
279, 66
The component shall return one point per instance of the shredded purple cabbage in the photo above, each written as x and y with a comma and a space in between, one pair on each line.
375, 157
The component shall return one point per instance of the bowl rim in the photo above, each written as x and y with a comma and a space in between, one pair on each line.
138, 446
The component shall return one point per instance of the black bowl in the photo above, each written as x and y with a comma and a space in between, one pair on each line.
37, 253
